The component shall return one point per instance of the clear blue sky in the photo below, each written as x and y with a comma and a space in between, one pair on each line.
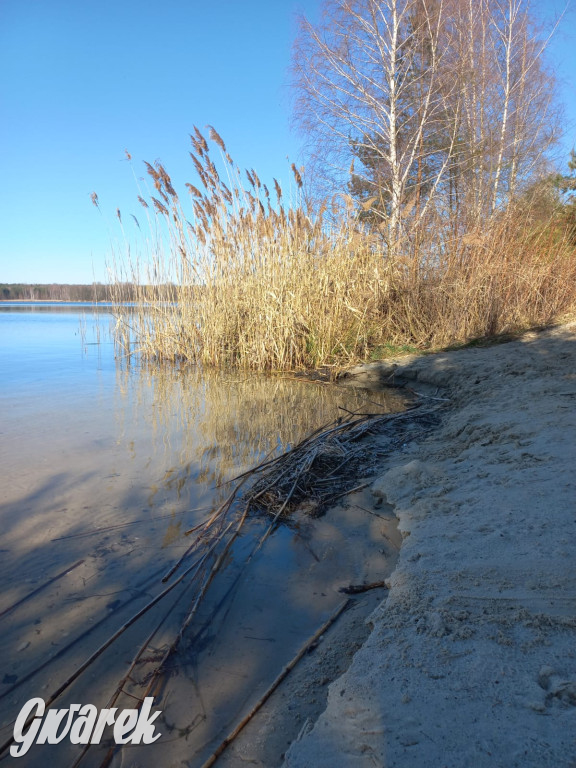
82, 81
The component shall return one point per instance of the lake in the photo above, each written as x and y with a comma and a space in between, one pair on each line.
105, 464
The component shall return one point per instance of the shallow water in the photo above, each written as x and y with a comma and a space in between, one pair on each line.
104, 466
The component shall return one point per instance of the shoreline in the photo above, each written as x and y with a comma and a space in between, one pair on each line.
471, 659
52, 301
472, 647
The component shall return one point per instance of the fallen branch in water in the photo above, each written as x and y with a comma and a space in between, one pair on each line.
41, 587
287, 669
357, 589
312, 473
192, 612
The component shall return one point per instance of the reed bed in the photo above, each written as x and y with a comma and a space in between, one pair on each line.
242, 275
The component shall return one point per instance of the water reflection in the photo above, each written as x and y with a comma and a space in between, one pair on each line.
52, 306
216, 425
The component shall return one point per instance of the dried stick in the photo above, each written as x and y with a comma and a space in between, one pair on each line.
112, 700
158, 671
428, 397
346, 493
320, 432
223, 508
356, 589
225, 504
78, 639
115, 527
287, 669
180, 560
302, 469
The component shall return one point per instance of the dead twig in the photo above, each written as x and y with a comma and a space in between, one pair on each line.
428, 397
347, 493
356, 589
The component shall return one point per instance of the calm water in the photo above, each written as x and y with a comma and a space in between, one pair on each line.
103, 467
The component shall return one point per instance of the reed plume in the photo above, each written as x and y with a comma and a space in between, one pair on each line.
240, 281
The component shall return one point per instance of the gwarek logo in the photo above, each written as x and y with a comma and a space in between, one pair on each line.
82, 724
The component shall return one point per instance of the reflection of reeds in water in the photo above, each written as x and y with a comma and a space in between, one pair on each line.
322, 466
219, 424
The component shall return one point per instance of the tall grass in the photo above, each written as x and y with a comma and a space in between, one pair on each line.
253, 278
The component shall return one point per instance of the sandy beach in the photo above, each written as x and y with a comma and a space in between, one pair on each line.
471, 660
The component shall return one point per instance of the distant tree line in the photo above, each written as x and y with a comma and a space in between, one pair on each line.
67, 292
53, 292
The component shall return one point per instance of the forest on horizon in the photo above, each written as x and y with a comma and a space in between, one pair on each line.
54, 292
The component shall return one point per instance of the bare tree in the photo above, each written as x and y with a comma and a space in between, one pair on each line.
510, 118
424, 107
370, 89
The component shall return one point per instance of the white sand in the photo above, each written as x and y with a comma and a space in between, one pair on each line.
472, 658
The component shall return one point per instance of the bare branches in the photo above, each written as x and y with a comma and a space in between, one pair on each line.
445, 105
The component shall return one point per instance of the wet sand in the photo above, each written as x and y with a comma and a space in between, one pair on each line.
252, 622
372, 539
471, 658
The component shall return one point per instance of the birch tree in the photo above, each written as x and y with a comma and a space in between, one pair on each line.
509, 109
425, 108
363, 92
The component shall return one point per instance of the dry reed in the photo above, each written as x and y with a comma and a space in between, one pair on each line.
325, 466
247, 282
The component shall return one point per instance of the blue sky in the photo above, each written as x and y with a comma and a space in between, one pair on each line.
80, 82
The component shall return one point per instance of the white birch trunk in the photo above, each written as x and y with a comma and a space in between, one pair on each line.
507, 38
396, 180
